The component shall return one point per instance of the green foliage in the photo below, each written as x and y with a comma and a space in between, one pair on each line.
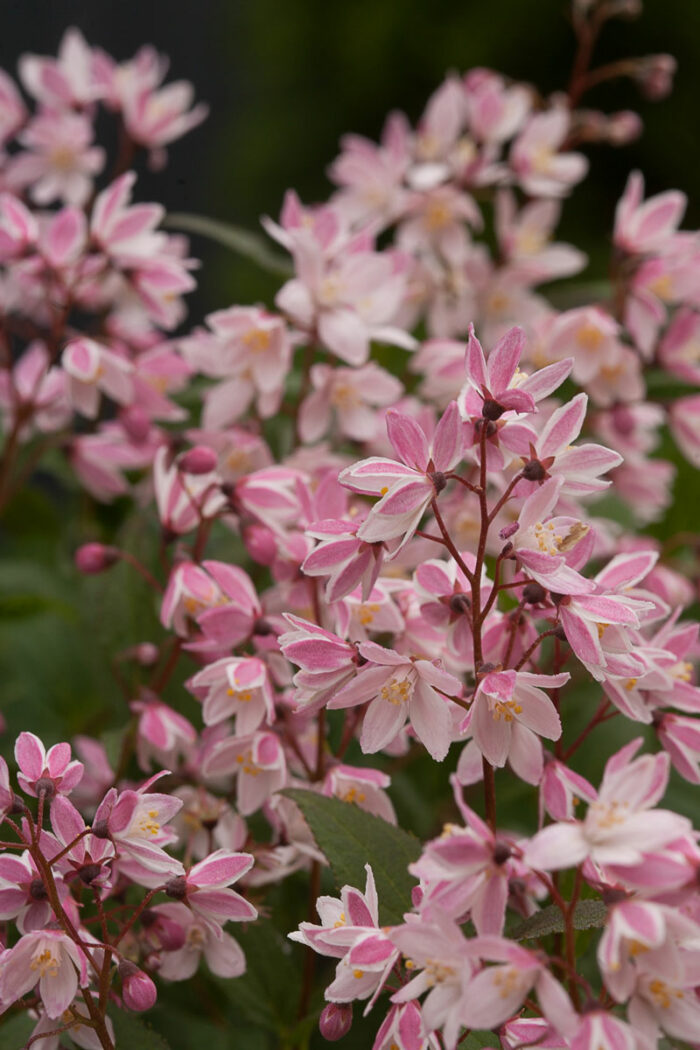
133, 1032
250, 245
351, 838
15, 1030
589, 914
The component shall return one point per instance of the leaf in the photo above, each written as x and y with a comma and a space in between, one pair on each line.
16, 1030
250, 245
479, 1041
587, 915
268, 992
132, 1033
351, 838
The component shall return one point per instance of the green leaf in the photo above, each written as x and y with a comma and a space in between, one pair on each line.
132, 1033
351, 838
587, 915
268, 992
250, 245
16, 1030
479, 1041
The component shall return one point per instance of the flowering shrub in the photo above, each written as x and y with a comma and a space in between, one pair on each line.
415, 565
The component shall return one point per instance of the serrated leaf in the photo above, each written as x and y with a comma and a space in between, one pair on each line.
250, 245
351, 838
587, 916
133, 1033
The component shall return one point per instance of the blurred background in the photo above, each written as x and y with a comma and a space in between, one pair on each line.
286, 80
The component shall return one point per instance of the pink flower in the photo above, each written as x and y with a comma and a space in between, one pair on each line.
35, 382
92, 369
257, 760
63, 82
50, 959
205, 888
327, 662
191, 590
194, 937
136, 822
400, 689
509, 708
51, 772
680, 738
493, 379
543, 545
542, 170
363, 787
352, 395
408, 487
126, 232
155, 118
621, 825
498, 992
553, 455
184, 500
441, 953
162, 734
89, 858
238, 687
344, 294
18, 227
58, 162
402, 1028
350, 932
649, 226
343, 557
466, 871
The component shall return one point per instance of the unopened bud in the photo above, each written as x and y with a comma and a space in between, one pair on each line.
168, 934
136, 423
93, 558
198, 460
624, 127
260, 543
655, 76
335, 1021
138, 990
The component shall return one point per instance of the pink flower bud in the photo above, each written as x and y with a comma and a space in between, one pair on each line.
138, 990
335, 1021
655, 76
198, 460
92, 558
624, 127
260, 543
146, 654
167, 934
136, 423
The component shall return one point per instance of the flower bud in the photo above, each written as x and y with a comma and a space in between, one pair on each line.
624, 127
335, 1021
136, 423
655, 76
198, 460
92, 558
138, 990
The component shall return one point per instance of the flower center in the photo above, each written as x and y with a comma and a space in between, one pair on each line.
46, 963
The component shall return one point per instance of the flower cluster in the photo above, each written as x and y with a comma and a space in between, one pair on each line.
405, 562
